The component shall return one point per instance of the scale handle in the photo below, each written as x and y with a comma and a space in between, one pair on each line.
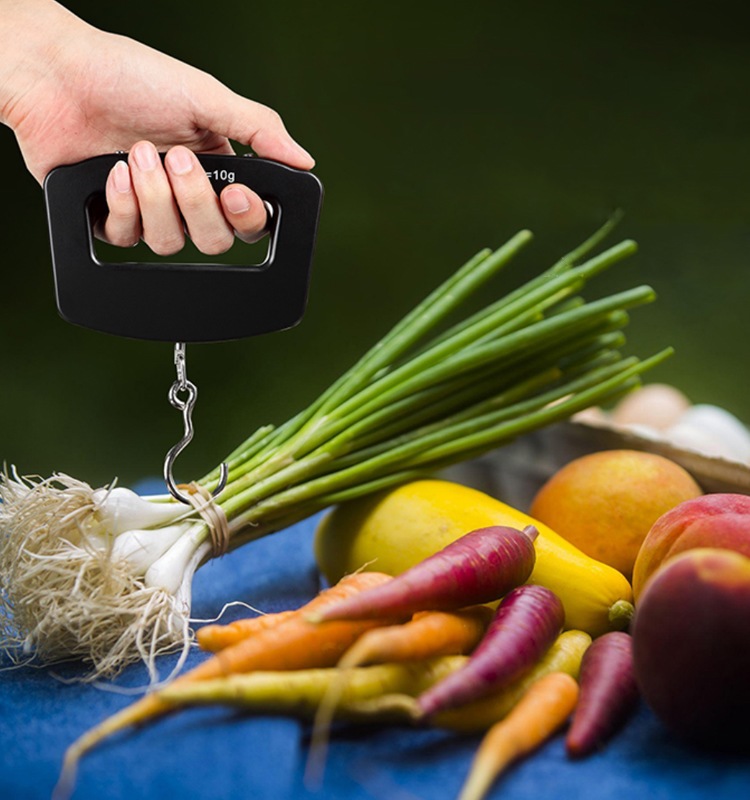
174, 302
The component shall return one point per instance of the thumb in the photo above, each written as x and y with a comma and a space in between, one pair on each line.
253, 124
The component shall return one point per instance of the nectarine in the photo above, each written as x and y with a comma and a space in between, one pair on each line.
691, 646
713, 520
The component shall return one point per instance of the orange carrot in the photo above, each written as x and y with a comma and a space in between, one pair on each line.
213, 638
293, 644
216, 637
540, 712
427, 635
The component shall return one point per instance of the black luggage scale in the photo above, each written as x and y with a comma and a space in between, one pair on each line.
166, 301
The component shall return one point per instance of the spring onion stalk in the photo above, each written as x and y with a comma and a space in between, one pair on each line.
105, 576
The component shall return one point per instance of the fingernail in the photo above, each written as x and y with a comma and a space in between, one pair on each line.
121, 177
145, 156
303, 152
235, 201
179, 161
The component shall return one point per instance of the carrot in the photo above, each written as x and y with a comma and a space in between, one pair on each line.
293, 644
526, 623
540, 712
479, 567
427, 635
299, 692
213, 638
565, 655
609, 694
216, 637
478, 716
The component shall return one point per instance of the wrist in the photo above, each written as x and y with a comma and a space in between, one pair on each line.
32, 36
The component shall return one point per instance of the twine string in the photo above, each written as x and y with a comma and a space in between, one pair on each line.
213, 514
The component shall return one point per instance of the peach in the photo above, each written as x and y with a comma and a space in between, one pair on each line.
713, 520
691, 647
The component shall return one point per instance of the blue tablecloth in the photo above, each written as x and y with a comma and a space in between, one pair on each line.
219, 753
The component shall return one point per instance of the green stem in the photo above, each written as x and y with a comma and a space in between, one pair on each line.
413, 403
435, 446
425, 316
428, 369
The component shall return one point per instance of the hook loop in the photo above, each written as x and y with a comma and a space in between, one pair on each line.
186, 405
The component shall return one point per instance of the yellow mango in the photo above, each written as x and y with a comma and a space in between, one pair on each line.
392, 530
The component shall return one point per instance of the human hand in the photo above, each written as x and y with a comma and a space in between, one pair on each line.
159, 201
71, 91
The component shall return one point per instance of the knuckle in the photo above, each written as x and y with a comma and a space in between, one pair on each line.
122, 230
251, 233
154, 195
123, 240
166, 245
257, 236
274, 118
268, 117
122, 215
194, 198
216, 245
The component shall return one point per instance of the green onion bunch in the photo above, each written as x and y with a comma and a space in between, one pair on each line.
430, 393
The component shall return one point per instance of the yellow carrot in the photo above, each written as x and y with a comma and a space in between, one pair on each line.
539, 714
427, 635
299, 692
565, 655
294, 644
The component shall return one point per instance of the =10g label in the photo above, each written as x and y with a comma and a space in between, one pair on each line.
226, 175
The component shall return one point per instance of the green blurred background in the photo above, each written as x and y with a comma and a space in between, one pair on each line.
438, 128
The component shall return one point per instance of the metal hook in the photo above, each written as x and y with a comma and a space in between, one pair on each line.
185, 405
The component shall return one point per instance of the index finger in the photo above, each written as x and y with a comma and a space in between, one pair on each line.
253, 124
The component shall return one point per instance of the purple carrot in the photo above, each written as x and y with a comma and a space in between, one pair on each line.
524, 627
608, 693
479, 567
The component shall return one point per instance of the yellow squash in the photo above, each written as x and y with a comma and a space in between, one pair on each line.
392, 530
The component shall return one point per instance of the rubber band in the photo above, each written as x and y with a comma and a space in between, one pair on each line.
213, 514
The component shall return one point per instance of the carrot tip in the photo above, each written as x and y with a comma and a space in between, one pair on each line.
425, 708
575, 749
